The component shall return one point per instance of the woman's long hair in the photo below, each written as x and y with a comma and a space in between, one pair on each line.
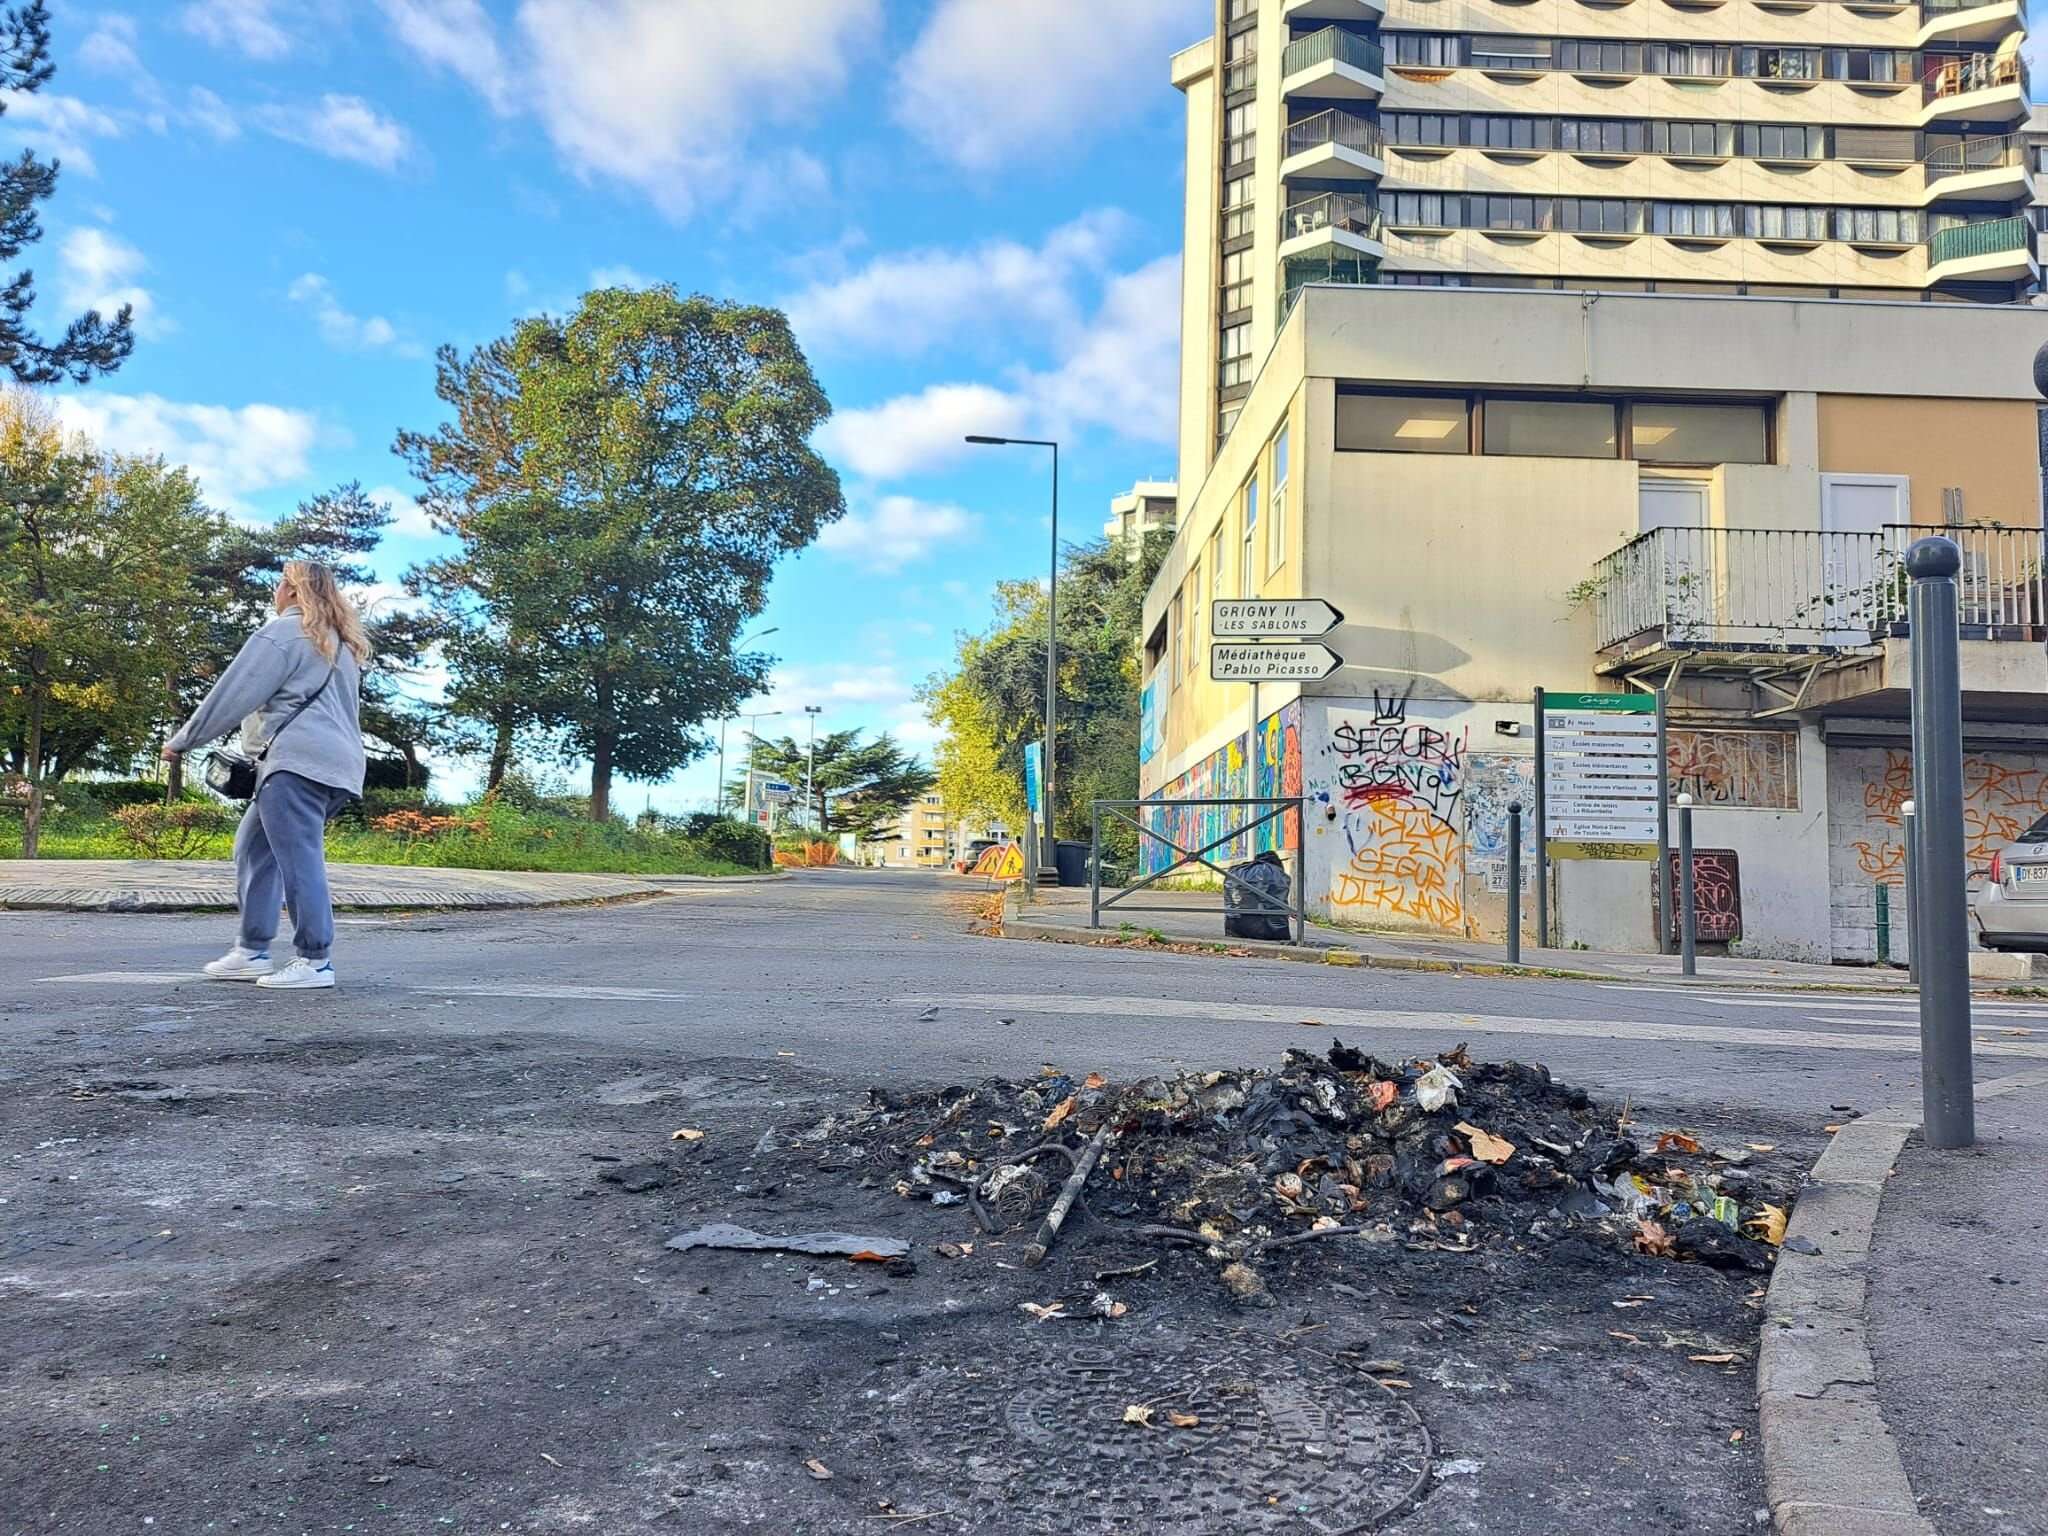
330, 619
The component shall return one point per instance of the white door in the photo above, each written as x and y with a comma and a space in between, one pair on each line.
1856, 582
1681, 506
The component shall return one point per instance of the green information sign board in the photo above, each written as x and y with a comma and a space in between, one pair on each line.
1616, 703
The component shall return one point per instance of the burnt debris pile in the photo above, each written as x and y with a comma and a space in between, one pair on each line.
1444, 1154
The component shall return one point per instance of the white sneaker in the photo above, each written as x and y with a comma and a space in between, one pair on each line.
240, 964
300, 975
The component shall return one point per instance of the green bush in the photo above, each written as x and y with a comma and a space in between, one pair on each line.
107, 794
182, 831
736, 842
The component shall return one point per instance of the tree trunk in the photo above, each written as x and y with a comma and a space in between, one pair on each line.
174, 780
32, 817
501, 752
601, 779
411, 751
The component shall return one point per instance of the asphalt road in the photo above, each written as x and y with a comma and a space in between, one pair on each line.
344, 1261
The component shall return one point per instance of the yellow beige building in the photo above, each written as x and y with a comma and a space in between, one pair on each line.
1581, 491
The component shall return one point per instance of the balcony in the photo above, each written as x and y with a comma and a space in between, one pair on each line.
1333, 63
1741, 596
1991, 250
1975, 87
1980, 169
1335, 145
1331, 224
1968, 21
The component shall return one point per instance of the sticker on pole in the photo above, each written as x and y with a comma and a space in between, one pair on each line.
1271, 663
1603, 781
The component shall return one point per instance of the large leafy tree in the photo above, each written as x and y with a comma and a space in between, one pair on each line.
972, 777
858, 787
90, 344
620, 482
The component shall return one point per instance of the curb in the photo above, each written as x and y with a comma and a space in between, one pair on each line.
142, 901
1831, 1466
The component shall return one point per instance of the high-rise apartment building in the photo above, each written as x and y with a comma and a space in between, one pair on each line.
1150, 506
1781, 148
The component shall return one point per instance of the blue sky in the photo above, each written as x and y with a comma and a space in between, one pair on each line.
970, 209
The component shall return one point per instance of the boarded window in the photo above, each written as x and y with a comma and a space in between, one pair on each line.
1739, 770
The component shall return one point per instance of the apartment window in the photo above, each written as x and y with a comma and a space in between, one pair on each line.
1430, 209
1237, 281
1426, 129
1600, 215
1240, 135
1427, 280
1276, 517
1778, 63
1509, 212
1601, 136
1216, 561
1235, 349
1709, 221
1788, 141
1551, 429
1512, 52
1176, 642
1889, 66
1239, 9
1530, 133
1226, 418
1586, 56
1247, 581
1190, 635
1195, 616
1403, 424
1423, 50
1699, 434
1703, 141
1237, 207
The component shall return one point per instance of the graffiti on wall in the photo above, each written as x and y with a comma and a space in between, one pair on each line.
1744, 770
1493, 782
1396, 780
1716, 896
2003, 795
1273, 770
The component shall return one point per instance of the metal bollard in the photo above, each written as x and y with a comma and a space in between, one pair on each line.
1910, 832
1688, 958
1939, 891
1514, 882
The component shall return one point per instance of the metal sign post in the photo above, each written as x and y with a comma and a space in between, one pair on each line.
1909, 832
1947, 1104
1663, 832
1542, 843
1514, 882
1688, 963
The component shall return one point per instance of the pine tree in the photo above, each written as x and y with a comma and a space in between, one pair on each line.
90, 344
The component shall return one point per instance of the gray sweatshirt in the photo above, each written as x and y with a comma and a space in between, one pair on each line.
277, 670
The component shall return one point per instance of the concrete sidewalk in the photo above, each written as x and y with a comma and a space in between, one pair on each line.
208, 885
1061, 914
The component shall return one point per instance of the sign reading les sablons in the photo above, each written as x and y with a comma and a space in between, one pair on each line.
1284, 618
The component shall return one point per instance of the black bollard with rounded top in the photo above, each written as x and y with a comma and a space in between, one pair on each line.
1941, 929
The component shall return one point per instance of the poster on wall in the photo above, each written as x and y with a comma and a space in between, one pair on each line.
1603, 778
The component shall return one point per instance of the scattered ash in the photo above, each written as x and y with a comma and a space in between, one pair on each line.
1449, 1155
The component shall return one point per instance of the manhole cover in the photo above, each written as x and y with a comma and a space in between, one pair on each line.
1288, 1439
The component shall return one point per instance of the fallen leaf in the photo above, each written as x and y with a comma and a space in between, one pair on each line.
1761, 1146
1486, 1146
1116, 1309
1769, 1224
1734, 1436
1710, 1359
1094, 1080
925, 1141
687, 1135
1633, 1301
1043, 1314
785, 1053
819, 1470
1396, 1381
1677, 1141
1138, 1413
1182, 1420
544, 1456
1060, 1111
955, 1250
2016, 1031
1311, 1023
1381, 1094
1831, 1129
869, 1256
1626, 1338
1651, 1238
1324, 1224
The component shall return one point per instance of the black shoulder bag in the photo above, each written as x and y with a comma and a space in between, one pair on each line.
233, 774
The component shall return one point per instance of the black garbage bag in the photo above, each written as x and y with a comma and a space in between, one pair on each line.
1255, 904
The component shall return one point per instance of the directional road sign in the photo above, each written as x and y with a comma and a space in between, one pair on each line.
1271, 663
1603, 781
1287, 618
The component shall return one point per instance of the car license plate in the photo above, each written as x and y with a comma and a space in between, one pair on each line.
2030, 874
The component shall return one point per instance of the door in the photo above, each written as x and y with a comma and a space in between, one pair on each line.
1680, 506
1856, 580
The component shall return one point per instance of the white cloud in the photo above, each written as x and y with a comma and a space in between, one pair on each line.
59, 126
248, 26
663, 95
910, 301
457, 36
99, 272
340, 328
1060, 70
919, 432
894, 532
620, 276
409, 519
211, 115
344, 127
110, 47
235, 451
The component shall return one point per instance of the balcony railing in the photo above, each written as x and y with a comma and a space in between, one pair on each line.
1749, 589
1339, 128
1347, 211
1332, 45
1950, 7
1974, 72
1987, 237
1990, 154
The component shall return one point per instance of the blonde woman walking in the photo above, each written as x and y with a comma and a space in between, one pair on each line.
294, 691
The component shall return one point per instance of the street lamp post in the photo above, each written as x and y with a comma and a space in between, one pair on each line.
772, 629
1047, 859
810, 764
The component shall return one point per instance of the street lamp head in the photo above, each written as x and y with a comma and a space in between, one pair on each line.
975, 437
814, 709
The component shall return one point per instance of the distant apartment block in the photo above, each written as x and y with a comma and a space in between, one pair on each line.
1149, 506
918, 839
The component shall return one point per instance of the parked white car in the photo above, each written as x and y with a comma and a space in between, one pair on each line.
2011, 901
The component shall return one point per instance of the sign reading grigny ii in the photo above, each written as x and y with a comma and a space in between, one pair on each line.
1286, 618
1603, 780
1271, 663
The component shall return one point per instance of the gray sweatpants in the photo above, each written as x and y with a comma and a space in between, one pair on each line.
281, 858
